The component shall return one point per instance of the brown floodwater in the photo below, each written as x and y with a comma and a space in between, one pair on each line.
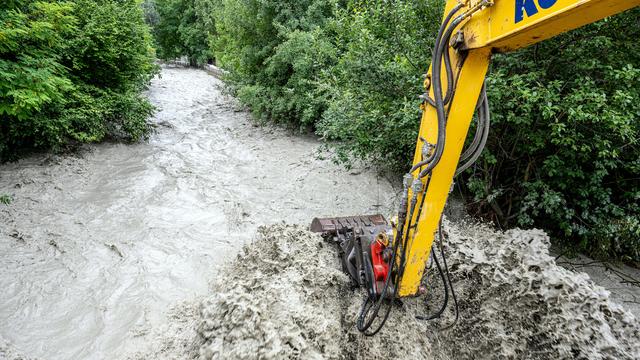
97, 245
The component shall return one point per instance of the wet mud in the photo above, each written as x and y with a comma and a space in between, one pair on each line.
284, 297
98, 245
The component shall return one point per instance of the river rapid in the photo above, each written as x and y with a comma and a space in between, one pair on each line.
97, 245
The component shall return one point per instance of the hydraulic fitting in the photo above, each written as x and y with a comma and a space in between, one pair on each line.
427, 147
427, 82
407, 180
416, 189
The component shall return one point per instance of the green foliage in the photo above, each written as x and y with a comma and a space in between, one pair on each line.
151, 15
277, 52
67, 67
112, 48
373, 108
182, 30
5, 199
30, 48
563, 152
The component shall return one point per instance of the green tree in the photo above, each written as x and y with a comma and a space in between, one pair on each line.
372, 91
277, 51
151, 15
182, 30
564, 151
72, 71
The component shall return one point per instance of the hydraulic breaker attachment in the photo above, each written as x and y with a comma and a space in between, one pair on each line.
364, 246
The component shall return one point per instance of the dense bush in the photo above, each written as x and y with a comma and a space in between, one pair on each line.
277, 51
72, 71
563, 152
373, 107
181, 29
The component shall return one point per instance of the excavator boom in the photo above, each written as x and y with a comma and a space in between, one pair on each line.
488, 27
471, 31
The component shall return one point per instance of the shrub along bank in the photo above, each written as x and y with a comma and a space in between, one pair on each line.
72, 71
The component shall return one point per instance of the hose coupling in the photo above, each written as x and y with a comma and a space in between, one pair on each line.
427, 148
407, 180
427, 81
416, 189
458, 40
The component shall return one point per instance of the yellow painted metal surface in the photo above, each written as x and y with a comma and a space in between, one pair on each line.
513, 24
500, 27
462, 109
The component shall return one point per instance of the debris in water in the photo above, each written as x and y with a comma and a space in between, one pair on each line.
56, 246
114, 248
17, 235
285, 297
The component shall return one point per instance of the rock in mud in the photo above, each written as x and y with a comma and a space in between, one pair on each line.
285, 297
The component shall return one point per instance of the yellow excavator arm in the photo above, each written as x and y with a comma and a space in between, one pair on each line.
473, 30
389, 260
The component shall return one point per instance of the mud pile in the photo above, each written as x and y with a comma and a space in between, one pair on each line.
285, 297
515, 302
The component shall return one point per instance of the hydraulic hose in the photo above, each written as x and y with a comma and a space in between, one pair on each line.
366, 306
441, 112
479, 128
446, 283
438, 97
484, 120
445, 302
446, 269
447, 59
451, 82
368, 303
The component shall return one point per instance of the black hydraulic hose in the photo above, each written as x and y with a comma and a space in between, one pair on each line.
484, 116
447, 59
446, 269
479, 128
445, 281
424, 162
403, 259
442, 274
451, 83
400, 235
364, 310
437, 92
445, 302
438, 102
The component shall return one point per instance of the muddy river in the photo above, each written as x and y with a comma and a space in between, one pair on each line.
95, 246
